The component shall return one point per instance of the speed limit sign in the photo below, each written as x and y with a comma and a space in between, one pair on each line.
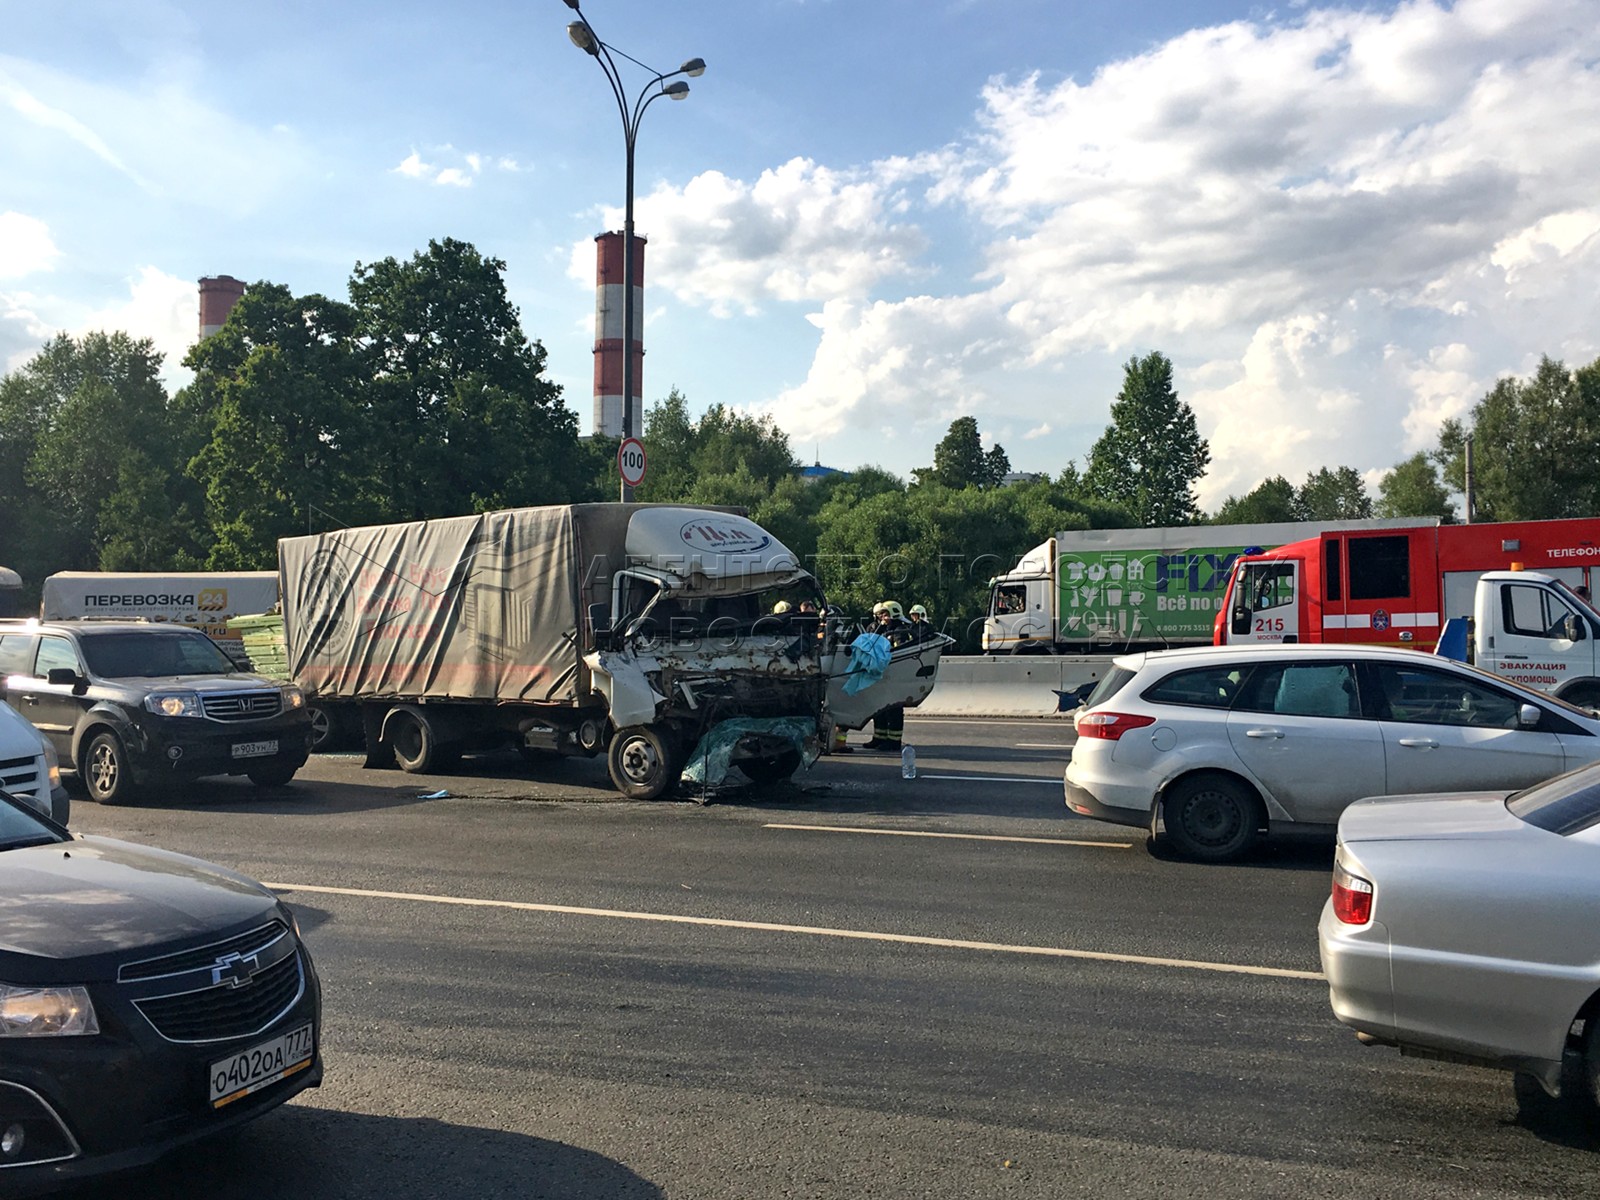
630, 461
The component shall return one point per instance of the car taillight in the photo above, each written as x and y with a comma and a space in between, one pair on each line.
1352, 897
1109, 725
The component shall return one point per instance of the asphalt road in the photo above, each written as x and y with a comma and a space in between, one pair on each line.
858, 985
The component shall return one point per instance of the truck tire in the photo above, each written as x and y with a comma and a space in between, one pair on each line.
105, 771
1583, 695
643, 764
416, 746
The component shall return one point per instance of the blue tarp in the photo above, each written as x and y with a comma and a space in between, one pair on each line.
710, 762
869, 658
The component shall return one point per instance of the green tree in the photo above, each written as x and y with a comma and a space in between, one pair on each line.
1151, 455
91, 454
1412, 489
1337, 495
279, 390
1535, 443
1271, 500
686, 453
959, 460
460, 414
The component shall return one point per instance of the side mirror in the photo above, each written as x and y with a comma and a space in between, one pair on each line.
1528, 716
1572, 628
1241, 620
62, 677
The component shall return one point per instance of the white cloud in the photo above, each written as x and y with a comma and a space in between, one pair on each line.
463, 168
1314, 215
1038, 431
801, 232
160, 307
25, 245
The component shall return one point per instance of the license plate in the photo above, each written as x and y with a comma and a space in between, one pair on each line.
254, 749
238, 1075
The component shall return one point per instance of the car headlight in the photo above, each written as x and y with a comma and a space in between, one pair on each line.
46, 1012
293, 697
174, 704
52, 762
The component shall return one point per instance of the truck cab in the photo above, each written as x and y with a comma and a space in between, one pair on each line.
1534, 630
1022, 617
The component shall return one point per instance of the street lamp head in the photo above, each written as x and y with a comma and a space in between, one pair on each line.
694, 68
677, 89
573, 5
581, 36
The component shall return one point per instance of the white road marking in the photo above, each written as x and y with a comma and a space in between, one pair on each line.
864, 935
969, 837
992, 779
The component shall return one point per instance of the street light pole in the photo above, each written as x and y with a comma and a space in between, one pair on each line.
632, 111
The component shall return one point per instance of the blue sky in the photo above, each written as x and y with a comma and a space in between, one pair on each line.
1342, 223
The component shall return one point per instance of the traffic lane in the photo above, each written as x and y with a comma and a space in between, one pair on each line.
718, 1063
866, 868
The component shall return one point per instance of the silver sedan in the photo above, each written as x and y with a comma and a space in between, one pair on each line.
1466, 927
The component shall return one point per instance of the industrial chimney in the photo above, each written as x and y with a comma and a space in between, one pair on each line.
218, 295
608, 322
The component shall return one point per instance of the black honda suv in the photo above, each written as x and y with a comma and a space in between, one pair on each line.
127, 705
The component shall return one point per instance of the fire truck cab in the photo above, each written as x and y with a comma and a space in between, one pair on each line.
1401, 586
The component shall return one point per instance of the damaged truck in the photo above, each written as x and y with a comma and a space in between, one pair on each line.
670, 638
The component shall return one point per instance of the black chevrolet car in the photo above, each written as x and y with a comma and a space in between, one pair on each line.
147, 999
128, 704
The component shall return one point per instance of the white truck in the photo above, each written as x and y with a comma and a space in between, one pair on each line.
647, 631
203, 600
1091, 591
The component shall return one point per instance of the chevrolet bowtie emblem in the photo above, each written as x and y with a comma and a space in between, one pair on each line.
235, 970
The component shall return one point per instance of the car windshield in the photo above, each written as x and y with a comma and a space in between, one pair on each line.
20, 828
151, 654
1566, 804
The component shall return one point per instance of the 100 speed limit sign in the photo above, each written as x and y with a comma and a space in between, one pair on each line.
631, 462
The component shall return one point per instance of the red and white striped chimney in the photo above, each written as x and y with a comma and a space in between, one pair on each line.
608, 319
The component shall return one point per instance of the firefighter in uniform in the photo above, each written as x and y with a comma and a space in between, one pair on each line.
889, 722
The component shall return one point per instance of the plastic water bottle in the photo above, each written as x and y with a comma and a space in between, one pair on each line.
908, 762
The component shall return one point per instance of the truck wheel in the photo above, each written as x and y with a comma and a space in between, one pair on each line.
1211, 817
642, 763
1585, 695
771, 770
415, 745
105, 770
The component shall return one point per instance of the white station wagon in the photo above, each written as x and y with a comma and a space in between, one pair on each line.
1223, 743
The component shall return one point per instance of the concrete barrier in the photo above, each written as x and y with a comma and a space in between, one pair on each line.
1028, 685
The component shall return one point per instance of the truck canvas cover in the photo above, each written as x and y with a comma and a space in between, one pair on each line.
481, 607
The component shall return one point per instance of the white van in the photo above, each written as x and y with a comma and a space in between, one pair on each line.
29, 768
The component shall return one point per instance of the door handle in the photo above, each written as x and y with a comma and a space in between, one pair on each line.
30, 699
1263, 733
1420, 743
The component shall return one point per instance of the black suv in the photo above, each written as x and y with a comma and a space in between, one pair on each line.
129, 704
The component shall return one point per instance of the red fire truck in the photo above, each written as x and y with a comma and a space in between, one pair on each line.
1393, 586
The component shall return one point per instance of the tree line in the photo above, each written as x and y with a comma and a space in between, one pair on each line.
419, 395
